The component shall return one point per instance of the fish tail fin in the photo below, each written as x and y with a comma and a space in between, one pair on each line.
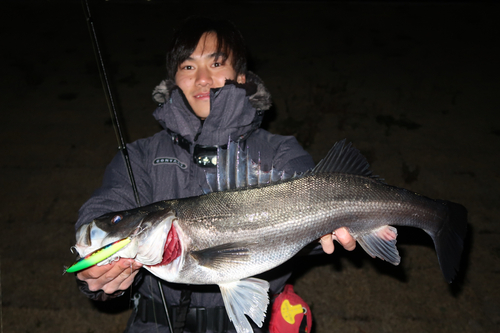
449, 239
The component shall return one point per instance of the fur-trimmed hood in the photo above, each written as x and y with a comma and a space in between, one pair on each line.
235, 110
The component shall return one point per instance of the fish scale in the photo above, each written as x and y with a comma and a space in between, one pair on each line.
322, 208
228, 236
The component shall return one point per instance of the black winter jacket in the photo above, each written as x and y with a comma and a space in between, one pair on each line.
164, 169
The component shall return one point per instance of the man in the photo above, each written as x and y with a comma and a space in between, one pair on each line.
208, 98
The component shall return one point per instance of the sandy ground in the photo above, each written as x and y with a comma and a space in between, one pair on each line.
414, 86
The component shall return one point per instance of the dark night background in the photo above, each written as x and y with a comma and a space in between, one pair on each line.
414, 85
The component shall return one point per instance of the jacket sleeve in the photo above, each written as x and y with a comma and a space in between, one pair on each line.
100, 295
116, 194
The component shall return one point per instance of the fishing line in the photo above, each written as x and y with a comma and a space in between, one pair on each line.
116, 124
164, 305
152, 298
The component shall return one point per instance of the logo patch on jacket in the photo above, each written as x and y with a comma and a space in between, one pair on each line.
169, 160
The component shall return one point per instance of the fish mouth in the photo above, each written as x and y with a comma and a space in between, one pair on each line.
89, 237
92, 236
88, 234
154, 241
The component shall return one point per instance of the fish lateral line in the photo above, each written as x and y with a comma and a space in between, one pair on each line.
99, 255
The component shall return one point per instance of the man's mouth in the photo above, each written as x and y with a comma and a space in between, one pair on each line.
172, 248
202, 95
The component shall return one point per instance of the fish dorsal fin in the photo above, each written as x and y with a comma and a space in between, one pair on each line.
236, 170
245, 297
344, 158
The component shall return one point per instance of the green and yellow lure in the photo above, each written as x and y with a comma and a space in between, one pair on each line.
98, 255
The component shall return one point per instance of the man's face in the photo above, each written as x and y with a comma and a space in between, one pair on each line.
201, 72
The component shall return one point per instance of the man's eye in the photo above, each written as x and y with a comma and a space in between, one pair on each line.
217, 64
188, 67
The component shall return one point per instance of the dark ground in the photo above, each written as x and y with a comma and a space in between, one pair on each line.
414, 86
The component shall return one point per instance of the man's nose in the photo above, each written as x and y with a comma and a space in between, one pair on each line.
203, 77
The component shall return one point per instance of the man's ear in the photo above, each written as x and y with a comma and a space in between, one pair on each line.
241, 78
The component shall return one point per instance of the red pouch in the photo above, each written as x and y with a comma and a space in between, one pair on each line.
290, 314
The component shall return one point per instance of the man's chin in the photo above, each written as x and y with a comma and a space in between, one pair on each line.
202, 114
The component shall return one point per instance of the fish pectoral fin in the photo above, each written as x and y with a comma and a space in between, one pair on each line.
246, 297
381, 243
214, 257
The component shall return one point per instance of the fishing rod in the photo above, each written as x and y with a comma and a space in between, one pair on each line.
109, 98
1, 316
116, 124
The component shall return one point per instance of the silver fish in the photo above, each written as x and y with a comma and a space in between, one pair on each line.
225, 237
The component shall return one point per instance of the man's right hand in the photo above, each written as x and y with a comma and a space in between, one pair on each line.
110, 278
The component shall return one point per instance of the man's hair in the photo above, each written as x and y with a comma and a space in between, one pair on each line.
230, 43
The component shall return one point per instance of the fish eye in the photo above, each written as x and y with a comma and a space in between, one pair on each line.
116, 219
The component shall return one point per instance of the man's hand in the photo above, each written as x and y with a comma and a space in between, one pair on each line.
342, 236
110, 278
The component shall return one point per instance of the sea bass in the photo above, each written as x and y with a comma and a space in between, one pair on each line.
225, 237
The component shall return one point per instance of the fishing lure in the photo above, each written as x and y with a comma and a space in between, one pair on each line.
98, 255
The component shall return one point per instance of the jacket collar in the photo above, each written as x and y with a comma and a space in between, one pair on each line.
236, 109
